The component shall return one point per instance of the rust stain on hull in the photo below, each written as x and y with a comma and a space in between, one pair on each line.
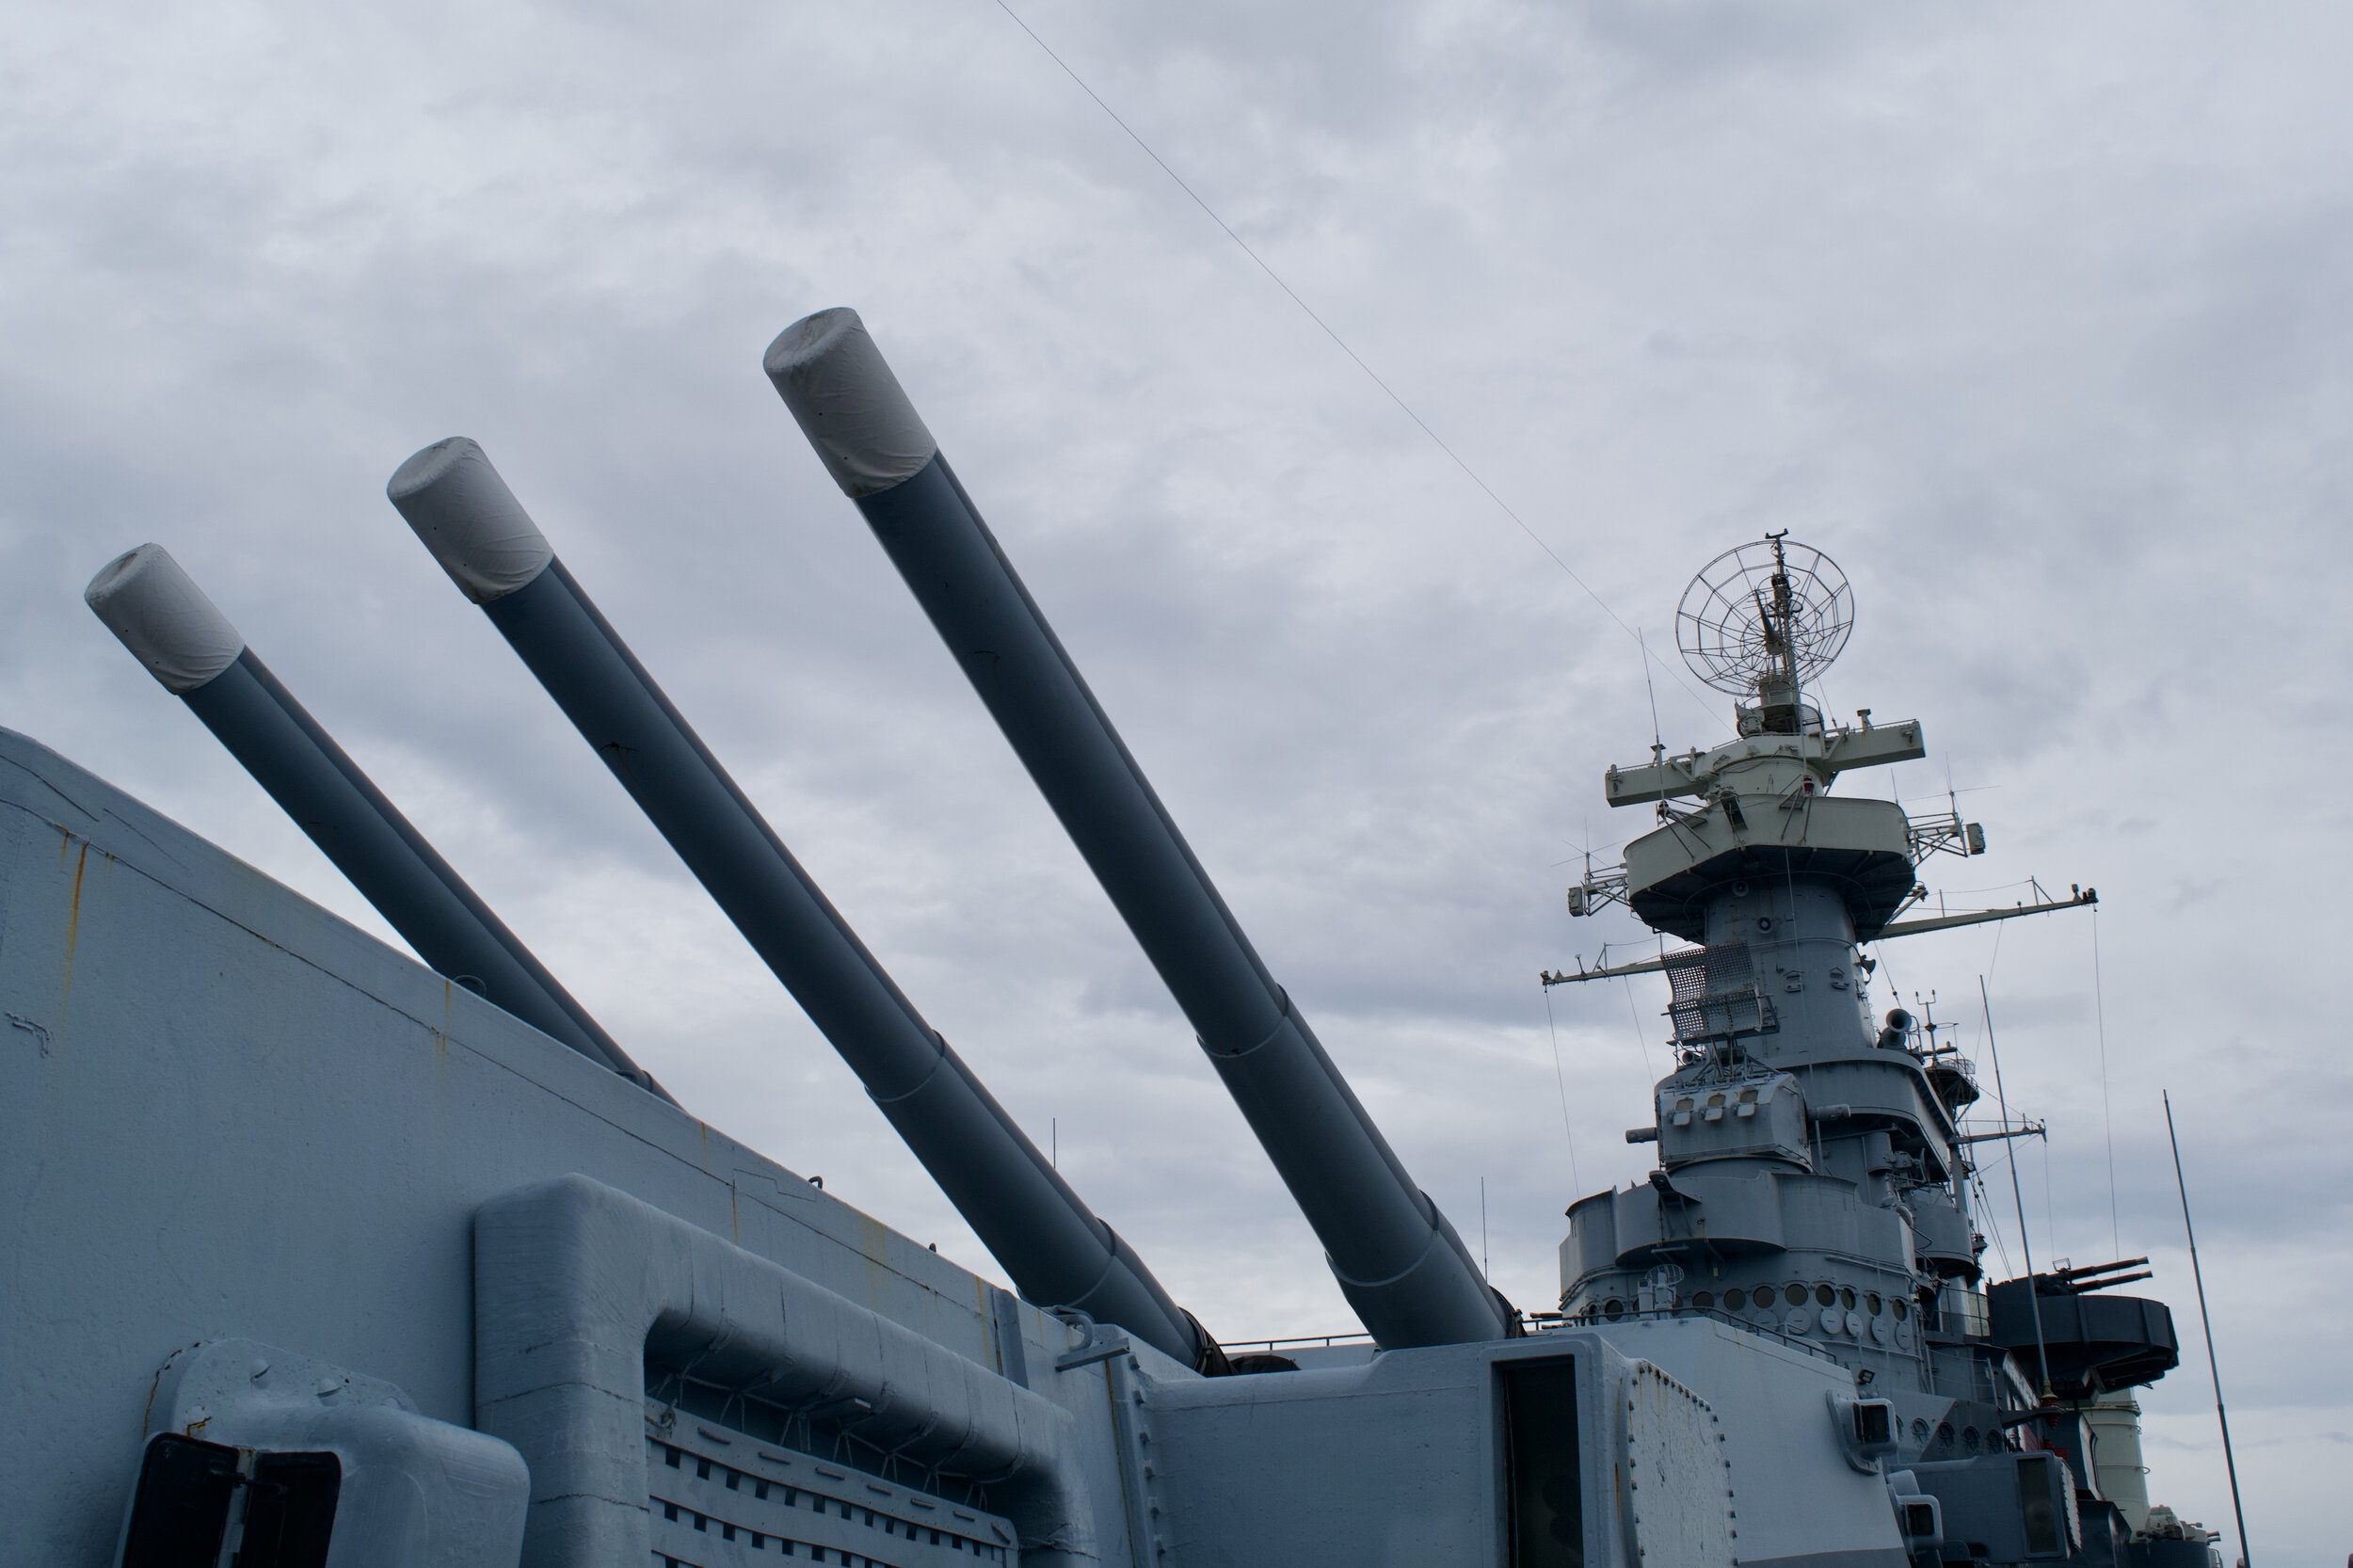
73, 929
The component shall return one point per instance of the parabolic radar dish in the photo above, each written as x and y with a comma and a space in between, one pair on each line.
1768, 613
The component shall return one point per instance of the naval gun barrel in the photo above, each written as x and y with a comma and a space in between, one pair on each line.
172, 627
1399, 1263
1057, 1251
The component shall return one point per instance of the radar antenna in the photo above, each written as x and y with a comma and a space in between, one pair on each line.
1764, 618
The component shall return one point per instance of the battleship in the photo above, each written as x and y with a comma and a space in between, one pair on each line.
332, 1257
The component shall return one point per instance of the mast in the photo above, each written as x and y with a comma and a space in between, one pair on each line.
1814, 1175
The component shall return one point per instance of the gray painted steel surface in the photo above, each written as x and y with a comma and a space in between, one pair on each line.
373, 1168
409, 1489
1814, 1181
1058, 1251
576, 1279
230, 1113
1399, 1263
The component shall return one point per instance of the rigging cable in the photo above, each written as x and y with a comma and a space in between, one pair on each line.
2026, 1248
1985, 1211
1561, 1077
2050, 1218
1635, 1019
1374, 376
2213, 1366
2099, 1013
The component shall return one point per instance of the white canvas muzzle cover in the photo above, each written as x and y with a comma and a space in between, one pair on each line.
468, 518
163, 618
837, 385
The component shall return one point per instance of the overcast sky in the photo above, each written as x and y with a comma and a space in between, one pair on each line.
2034, 317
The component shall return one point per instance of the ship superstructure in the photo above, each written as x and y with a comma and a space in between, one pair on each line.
1814, 1182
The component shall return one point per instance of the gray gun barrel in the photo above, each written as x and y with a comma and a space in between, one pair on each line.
170, 627
1399, 1261
1058, 1253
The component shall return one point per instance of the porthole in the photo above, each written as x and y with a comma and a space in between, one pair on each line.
1794, 1295
1919, 1429
1825, 1296
1872, 1302
1703, 1299
1764, 922
1736, 1300
1903, 1308
1846, 1298
1969, 1438
1613, 1309
1740, 890
1944, 1434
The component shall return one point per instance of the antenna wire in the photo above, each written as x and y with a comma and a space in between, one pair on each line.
2214, 1368
1561, 1077
2034, 1298
2099, 1013
1404, 407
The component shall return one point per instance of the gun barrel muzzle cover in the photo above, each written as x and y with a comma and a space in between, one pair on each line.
162, 618
849, 405
468, 518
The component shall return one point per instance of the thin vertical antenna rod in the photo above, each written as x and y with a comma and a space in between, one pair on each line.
1658, 741
2026, 1248
1483, 1270
2212, 1368
1788, 622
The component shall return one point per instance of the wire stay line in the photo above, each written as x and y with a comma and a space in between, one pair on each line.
2214, 1368
1329, 331
2034, 1298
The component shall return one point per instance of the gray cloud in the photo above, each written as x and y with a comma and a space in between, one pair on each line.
2032, 319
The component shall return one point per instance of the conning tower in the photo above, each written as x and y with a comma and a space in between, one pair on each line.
1813, 1176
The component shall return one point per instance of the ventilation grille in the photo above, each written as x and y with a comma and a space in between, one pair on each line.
723, 1498
1715, 994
